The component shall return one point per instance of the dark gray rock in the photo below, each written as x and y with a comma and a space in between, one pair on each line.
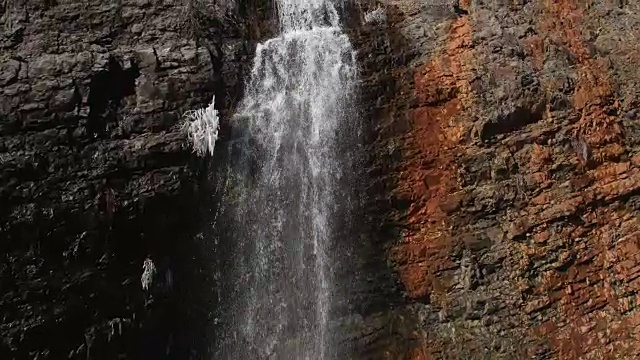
95, 174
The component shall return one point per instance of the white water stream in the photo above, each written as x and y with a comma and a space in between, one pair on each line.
285, 217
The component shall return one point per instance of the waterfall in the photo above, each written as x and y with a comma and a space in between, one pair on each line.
286, 188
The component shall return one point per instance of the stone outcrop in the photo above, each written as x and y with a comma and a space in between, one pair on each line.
95, 173
506, 134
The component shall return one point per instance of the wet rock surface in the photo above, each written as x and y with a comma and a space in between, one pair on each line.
96, 175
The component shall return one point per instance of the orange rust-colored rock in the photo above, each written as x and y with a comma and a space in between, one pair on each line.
524, 241
593, 98
427, 176
588, 322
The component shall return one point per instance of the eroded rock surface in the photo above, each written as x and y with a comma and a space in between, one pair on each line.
507, 135
95, 173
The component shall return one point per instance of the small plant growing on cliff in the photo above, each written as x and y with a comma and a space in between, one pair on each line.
148, 272
201, 127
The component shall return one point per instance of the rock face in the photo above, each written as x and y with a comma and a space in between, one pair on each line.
506, 135
502, 178
95, 174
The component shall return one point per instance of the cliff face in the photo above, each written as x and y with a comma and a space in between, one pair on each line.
95, 174
506, 134
503, 178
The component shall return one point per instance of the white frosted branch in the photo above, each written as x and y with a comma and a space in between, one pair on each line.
148, 272
202, 127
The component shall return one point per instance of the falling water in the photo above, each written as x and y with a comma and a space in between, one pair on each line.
286, 186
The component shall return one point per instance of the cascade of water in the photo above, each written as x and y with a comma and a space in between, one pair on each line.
284, 216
